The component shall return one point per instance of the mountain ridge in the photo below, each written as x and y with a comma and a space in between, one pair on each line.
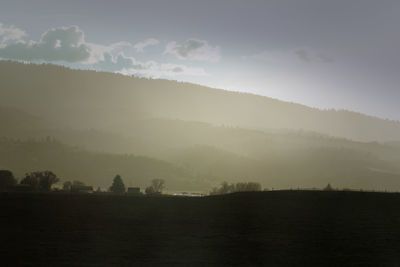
83, 98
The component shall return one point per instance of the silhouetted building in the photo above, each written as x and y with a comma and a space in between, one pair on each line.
81, 189
133, 191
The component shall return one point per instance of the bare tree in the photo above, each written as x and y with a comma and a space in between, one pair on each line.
156, 187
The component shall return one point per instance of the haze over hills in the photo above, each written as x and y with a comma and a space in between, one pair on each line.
193, 136
109, 101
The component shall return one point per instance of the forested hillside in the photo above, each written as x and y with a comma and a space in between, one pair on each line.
97, 169
192, 136
110, 101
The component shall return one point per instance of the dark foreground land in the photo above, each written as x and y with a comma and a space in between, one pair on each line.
281, 228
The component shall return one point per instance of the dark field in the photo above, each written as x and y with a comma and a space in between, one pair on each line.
280, 228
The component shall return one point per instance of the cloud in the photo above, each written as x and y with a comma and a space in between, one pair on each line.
8, 33
98, 52
68, 46
116, 63
301, 55
130, 66
60, 44
65, 44
142, 45
325, 58
153, 69
308, 55
194, 49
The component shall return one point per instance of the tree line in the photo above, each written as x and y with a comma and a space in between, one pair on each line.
37, 181
43, 181
226, 188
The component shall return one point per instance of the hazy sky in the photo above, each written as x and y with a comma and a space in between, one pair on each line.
327, 54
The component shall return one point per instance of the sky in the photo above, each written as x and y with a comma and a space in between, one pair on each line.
340, 54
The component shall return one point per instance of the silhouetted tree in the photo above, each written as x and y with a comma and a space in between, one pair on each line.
6, 180
241, 187
156, 187
117, 186
47, 179
328, 188
251, 186
31, 180
40, 180
226, 188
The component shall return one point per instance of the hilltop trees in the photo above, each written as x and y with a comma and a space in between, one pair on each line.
40, 180
117, 186
226, 188
250, 186
156, 187
6, 180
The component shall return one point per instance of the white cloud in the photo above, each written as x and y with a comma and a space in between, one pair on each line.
58, 44
68, 44
130, 66
97, 52
194, 49
10, 33
142, 45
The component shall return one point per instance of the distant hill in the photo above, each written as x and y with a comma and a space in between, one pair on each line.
97, 169
192, 136
198, 156
17, 123
114, 102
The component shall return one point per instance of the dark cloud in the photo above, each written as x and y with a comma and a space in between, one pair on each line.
303, 55
307, 56
325, 58
177, 69
189, 47
194, 49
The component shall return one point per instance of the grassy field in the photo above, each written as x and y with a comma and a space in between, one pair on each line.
279, 228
